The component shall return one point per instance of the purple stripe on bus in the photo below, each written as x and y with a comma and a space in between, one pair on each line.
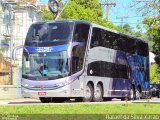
52, 82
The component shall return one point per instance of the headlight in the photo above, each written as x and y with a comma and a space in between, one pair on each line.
25, 85
66, 82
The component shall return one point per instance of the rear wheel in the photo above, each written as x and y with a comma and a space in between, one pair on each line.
45, 99
138, 94
98, 94
132, 94
88, 93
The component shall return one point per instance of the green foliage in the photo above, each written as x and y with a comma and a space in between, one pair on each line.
47, 15
89, 10
154, 73
153, 31
127, 27
1, 48
83, 10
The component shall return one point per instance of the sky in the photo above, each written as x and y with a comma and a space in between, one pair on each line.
129, 10
125, 9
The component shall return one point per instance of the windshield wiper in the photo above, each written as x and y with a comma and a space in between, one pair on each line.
40, 72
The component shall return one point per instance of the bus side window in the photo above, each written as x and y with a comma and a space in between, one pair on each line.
77, 58
95, 40
81, 33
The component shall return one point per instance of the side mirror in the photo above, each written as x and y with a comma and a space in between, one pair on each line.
14, 52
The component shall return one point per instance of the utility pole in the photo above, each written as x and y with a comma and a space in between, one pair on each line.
107, 4
122, 18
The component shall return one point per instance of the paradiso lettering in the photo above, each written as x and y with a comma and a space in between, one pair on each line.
44, 49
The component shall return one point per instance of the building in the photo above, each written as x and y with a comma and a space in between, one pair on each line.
15, 18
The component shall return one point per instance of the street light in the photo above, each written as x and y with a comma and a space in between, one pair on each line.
53, 6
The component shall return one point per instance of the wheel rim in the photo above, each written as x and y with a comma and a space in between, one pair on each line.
97, 93
88, 92
131, 94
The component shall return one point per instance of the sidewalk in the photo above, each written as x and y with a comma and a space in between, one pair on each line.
19, 101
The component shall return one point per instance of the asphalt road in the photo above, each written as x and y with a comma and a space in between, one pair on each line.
27, 101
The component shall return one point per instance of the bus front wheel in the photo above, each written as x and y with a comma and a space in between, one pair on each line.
88, 95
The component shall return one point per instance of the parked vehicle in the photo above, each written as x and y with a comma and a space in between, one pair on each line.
155, 90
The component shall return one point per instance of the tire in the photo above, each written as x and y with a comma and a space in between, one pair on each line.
132, 94
88, 93
137, 94
98, 94
45, 99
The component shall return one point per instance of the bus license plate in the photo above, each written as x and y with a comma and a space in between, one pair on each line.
42, 93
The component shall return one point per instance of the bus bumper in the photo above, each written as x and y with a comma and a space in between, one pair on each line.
59, 92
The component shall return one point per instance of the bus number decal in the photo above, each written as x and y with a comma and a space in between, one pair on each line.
44, 49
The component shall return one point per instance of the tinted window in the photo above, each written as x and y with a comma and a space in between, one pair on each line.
48, 34
108, 39
141, 48
107, 69
81, 33
78, 52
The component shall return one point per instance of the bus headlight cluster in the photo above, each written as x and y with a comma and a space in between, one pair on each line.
25, 85
61, 84
66, 82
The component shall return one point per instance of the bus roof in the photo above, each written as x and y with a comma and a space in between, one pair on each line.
59, 21
92, 24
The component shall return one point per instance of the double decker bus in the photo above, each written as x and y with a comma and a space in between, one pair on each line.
78, 59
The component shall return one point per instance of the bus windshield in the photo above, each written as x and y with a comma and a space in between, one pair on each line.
48, 66
47, 33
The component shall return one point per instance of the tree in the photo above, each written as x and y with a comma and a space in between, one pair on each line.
154, 73
127, 27
89, 10
146, 7
153, 31
47, 15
